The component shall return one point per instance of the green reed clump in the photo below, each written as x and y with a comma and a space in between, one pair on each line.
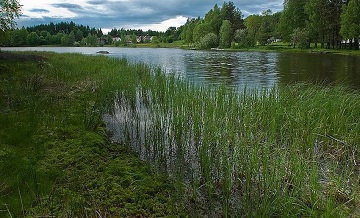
256, 153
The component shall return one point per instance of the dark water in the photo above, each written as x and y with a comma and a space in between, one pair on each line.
239, 69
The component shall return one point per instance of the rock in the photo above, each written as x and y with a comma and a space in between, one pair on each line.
103, 52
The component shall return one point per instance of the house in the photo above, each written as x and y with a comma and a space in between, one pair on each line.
116, 39
139, 39
102, 40
146, 39
350, 43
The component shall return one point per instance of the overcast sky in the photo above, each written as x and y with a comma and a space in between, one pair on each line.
130, 14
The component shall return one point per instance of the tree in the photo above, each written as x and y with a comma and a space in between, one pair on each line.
114, 33
78, 35
317, 20
56, 39
300, 38
350, 22
266, 28
91, 40
253, 24
213, 18
18, 37
293, 17
225, 34
9, 10
200, 30
188, 30
68, 40
243, 39
33, 39
233, 14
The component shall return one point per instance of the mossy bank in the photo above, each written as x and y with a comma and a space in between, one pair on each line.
56, 157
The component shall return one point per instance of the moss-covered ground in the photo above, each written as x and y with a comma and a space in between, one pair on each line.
56, 159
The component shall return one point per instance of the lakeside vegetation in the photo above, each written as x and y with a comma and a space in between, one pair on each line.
56, 158
288, 151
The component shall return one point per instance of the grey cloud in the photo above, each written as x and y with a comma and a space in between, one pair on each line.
142, 12
67, 5
97, 2
39, 10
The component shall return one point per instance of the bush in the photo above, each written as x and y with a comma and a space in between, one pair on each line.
300, 38
210, 40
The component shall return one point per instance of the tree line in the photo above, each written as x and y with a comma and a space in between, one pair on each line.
71, 34
323, 23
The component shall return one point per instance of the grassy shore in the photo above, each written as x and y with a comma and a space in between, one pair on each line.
201, 151
56, 156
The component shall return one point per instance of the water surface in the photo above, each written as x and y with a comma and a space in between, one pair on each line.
236, 69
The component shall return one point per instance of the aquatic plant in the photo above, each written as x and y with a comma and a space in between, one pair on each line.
280, 152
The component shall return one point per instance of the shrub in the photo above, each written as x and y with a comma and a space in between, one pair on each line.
210, 40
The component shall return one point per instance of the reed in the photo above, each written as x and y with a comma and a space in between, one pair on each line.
257, 152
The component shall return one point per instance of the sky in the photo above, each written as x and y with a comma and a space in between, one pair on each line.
156, 15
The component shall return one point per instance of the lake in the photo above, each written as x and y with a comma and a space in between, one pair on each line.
236, 69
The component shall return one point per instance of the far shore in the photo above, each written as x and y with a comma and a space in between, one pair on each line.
282, 47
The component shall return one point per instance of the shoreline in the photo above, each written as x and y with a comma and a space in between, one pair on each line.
268, 48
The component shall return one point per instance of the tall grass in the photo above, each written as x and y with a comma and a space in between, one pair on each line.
288, 151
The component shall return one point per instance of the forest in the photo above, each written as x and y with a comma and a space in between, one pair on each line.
331, 24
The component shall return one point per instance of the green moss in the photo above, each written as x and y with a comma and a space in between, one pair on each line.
56, 158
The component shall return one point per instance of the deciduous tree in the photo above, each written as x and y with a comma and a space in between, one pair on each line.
253, 24
200, 30
350, 22
225, 34
9, 10
293, 17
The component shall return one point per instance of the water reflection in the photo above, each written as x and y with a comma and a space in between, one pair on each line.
238, 69
319, 68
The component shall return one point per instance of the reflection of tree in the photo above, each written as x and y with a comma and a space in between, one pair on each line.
319, 69
215, 67
308, 68
264, 70
251, 69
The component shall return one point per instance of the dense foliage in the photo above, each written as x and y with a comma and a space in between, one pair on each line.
300, 23
9, 10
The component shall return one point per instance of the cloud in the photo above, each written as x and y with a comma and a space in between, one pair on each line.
67, 5
108, 14
39, 10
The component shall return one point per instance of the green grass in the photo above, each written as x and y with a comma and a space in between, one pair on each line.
56, 157
286, 152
